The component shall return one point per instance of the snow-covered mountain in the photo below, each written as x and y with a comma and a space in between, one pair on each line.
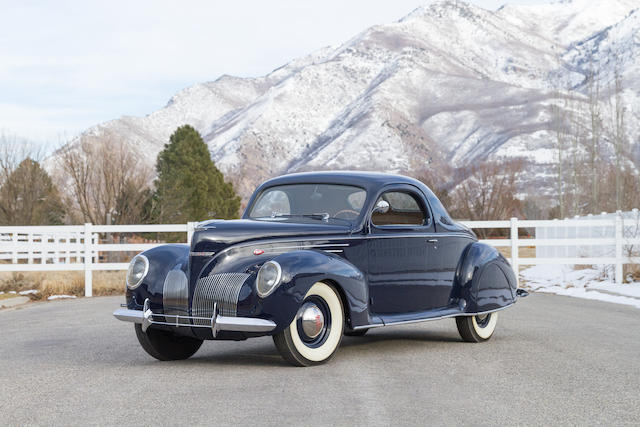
450, 83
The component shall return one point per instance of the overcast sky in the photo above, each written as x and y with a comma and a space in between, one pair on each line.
67, 65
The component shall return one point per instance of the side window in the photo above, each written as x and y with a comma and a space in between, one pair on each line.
404, 209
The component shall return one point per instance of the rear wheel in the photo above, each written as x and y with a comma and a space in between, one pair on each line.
316, 330
477, 328
163, 345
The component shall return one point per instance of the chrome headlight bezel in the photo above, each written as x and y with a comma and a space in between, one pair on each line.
263, 288
136, 259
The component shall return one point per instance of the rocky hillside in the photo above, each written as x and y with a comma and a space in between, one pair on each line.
450, 83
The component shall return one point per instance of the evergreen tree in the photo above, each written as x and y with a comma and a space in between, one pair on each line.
189, 186
28, 197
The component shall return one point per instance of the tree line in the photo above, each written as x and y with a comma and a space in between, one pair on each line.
102, 180
597, 163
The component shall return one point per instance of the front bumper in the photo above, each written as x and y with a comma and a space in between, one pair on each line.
216, 323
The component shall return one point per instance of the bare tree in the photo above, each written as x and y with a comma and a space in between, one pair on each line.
490, 192
105, 179
595, 116
575, 161
560, 118
618, 111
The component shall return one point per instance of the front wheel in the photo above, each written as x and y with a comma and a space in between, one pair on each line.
477, 328
163, 345
316, 330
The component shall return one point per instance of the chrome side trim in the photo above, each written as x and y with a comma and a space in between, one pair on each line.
202, 253
408, 322
334, 237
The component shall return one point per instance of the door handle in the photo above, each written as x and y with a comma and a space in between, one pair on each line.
432, 241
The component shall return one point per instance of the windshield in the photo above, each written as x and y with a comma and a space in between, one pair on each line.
309, 202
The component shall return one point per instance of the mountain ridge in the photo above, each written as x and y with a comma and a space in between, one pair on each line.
448, 84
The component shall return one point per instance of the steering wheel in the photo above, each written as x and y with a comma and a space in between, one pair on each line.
347, 211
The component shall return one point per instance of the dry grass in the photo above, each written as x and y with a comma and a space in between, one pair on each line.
523, 251
7, 296
62, 283
632, 270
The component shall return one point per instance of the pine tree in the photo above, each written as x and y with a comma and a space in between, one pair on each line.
28, 197
189, 186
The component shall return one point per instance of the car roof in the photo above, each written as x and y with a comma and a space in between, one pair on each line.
367, 180
370, 181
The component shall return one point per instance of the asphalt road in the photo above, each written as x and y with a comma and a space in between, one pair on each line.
553, 360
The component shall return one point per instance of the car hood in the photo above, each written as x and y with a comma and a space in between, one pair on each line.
212, 235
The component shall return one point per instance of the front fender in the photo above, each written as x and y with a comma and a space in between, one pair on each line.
162, 259
484, 280
300, 270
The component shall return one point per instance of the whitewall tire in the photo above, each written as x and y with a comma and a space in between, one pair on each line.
477, 328
315, 333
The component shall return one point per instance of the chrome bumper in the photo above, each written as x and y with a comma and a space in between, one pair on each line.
216, 323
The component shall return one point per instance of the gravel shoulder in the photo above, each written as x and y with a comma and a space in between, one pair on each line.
553, 360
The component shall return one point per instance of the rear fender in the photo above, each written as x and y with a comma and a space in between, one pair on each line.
484, 280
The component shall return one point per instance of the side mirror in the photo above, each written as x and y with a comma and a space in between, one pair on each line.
381, 207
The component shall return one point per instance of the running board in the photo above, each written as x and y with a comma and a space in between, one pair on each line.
448, 315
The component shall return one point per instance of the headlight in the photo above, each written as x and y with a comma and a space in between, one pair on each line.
268, 278
138, 269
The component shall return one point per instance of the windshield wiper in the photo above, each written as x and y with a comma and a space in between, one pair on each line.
323, 216
319, 216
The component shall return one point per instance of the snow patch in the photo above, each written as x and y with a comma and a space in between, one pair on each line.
29, 292
587, 283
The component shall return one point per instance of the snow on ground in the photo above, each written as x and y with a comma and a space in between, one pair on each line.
53, 297
587, 283
30, 291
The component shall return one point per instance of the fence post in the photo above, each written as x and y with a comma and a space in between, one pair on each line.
619, 259
14, 252
514, 249
30, 251
88, 255
190, 229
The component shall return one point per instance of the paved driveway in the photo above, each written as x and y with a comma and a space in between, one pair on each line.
552, 360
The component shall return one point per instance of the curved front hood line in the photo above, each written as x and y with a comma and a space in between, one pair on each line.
217, 235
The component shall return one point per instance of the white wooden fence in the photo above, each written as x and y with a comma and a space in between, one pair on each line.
73, 247
76, 248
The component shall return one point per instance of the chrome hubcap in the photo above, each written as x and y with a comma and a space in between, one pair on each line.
312, 319
483, 320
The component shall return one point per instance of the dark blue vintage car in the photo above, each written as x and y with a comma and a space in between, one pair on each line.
317, 256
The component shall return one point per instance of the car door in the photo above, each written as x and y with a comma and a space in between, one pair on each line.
451, 243
400, 247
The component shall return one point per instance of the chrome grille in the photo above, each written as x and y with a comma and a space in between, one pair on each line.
175, 294
223, 289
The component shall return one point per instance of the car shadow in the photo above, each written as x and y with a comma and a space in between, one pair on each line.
263, 355
266, 355
406, 336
